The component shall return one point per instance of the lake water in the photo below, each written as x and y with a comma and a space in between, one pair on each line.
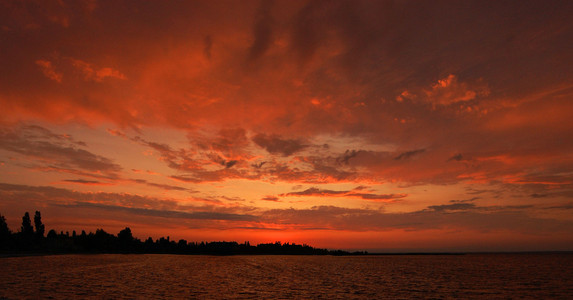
535, 276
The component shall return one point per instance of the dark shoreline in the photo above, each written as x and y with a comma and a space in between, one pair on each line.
31, 254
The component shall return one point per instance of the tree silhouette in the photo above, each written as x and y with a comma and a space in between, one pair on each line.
52, 234
40, 229
125, 235
125, 239
27, 229
125, 242
4, 230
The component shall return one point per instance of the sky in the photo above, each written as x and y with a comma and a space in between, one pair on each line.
369, 125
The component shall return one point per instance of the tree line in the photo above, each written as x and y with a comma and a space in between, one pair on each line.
31, 239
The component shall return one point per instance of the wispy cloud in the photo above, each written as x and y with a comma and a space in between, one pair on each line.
61, 151
49, 70
313, 191
90, 72
274, 144
199, 215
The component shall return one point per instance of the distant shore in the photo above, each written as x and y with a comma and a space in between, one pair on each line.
31, 254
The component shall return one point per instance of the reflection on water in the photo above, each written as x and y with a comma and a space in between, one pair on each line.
279, 277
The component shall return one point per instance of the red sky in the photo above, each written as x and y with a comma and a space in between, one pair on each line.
378, 125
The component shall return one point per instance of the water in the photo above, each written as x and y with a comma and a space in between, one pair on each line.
534, 276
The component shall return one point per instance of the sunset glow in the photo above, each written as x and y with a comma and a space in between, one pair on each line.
371, 125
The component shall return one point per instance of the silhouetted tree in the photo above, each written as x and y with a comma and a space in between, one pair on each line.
124, 242
125, 235
27, 229
52, 234
38, 224
125, 239
4, 230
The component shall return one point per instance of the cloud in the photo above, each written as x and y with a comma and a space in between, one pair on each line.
317, 174
468, 205
159, 185
456, 157
93, 73
199, 176
313, 191
83, 181
271, 198
180, 159
262, 31
450, 90
123, 202
567, 206
49, 71
198, 215
339, 218
348, 154
452, 207
274, 144
409, 154
229, 141
219, 160
306, 33
375, 197
55, 151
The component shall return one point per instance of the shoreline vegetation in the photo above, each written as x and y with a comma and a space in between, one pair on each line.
30, 240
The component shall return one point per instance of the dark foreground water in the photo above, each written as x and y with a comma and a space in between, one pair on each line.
535, 276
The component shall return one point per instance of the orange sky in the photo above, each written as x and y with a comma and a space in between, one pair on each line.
377, 125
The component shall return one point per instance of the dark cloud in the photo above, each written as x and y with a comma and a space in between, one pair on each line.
227, 141
199, 215
82, 181
315, 192
344, 158
180, 159
536, 195
351, 193
316, 175
17, 198
567, 206
262, 31
161, 186
220, 160
457, 157
274, 144
307, 31
258, 165
339, 218
271, 198
48, 191
465, 205
335, 173
199, 176
454, 206
366, 196
55, 150
48, 194
230, 163
122, 202
409, 154
208, 42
